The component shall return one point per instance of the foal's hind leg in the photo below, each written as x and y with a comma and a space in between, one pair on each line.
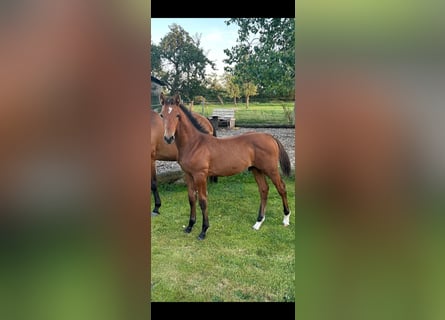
281, 188
263, 189
192, 202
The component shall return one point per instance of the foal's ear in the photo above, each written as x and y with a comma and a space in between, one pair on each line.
177, 99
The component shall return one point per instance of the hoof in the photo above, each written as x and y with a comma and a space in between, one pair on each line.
258, 224
188, 230
154, 214
201, 237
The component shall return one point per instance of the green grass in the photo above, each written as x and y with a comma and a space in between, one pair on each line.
271, 113
234, 262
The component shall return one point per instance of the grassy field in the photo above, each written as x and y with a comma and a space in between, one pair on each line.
271, 113
235, 263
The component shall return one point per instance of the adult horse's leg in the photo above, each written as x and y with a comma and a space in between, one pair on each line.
192, 201
201, 187
281, 188
263, 189
154, 189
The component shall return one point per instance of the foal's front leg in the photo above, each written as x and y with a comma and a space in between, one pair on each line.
201, 186
192, 201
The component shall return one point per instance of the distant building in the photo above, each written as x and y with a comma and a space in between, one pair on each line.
156, 89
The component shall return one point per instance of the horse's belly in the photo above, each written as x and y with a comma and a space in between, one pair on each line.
228, 169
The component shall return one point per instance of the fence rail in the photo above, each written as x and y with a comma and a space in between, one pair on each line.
268, 114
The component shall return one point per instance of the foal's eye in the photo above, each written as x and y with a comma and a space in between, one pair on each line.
177, 116
161, 115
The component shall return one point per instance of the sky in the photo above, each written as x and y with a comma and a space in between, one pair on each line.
215, 36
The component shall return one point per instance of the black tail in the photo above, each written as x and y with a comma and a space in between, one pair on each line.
284, 159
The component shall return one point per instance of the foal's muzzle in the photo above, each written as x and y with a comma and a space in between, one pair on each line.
169, 140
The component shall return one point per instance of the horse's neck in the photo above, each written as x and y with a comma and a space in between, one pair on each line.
186, 134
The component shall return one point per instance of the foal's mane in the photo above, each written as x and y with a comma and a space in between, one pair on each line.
192, 119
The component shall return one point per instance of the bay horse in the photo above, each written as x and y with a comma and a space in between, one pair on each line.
201, 155
160, 150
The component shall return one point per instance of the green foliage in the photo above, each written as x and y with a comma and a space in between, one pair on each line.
234, 262
155, 60
181, 63
232, 88
249, 89
263, 60
199, 99
264, 54
215, 88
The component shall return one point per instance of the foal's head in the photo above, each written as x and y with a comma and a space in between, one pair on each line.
170, 116
171, 113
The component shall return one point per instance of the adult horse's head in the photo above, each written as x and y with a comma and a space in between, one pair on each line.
170, 116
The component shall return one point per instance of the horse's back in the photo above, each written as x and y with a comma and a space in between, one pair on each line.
256, 148
259, 140
154, 128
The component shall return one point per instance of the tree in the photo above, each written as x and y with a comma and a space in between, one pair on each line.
155, 61
249, 89
215, 87
264, 54
231, 87
182, 62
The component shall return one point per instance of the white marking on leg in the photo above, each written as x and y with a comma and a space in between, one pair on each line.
286, 220
170, 109
258, 224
